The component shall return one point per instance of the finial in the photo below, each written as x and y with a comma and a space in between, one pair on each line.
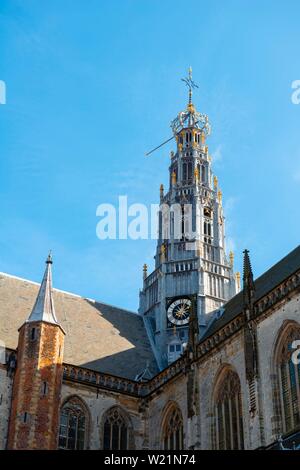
173, 177
43, 309
231, 258
196, 174
162, 252
247, 266
220, 196
248, 282
238, 280
161, 190
215, 182
145, 269
190, 84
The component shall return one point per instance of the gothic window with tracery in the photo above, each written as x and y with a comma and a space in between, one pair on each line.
73, 425
288, 374
227, 416
116, 430
173, 430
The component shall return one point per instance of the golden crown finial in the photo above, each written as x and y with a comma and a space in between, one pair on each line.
196, 173
215, 182
173, 177
231, 258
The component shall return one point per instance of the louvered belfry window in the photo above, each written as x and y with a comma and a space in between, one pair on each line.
227, 426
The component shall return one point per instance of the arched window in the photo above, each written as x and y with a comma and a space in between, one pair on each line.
116, 430
227, 413
288, 379
173, 429
73, 425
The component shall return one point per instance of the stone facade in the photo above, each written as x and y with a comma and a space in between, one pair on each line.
147, 403
92, 376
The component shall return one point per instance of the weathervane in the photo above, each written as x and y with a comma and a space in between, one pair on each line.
190, 84
189, 117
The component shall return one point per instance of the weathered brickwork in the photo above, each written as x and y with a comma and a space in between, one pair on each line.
145, 413
37, 387
5, 403
33, 395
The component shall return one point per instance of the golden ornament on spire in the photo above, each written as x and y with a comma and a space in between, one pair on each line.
162, 252
238, 280
196, 173
191, 108
231, 258
145, 269
215, 182
220, 196
173, 177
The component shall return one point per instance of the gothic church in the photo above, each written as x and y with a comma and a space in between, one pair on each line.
207, 362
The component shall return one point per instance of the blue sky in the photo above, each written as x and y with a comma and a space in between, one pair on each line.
91, 86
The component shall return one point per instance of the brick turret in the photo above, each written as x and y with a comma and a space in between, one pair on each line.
34, 416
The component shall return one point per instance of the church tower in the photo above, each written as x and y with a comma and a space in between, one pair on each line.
37, 383
192, 270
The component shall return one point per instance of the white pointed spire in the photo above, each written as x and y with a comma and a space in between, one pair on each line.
43, 309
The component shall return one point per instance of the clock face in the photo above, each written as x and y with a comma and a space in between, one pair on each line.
179, 311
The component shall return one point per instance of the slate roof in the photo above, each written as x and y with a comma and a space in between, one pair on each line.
263, 284
98, 336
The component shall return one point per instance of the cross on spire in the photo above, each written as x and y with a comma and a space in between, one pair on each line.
190, 84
